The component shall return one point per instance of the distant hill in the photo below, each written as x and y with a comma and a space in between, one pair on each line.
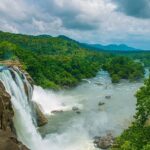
110, 47
50, 44
58, 62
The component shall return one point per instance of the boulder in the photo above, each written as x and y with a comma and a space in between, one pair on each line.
107, 96
104, 142
101, 103
74, 108
40, 117
78, 112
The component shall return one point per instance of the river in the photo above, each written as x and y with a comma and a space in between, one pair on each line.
103, 108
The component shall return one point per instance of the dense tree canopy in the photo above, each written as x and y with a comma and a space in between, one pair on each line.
57, 62
137, 136
123, 68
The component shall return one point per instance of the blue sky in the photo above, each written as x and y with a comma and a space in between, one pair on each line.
92, 21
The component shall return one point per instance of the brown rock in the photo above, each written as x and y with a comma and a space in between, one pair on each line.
40, 117
104, 142
6, 111
9, 142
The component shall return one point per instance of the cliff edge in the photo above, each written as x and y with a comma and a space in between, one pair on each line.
8, 139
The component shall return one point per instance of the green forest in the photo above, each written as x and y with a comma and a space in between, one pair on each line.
137, 136
58, 62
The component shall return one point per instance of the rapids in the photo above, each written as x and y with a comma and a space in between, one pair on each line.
71, 131
68, 130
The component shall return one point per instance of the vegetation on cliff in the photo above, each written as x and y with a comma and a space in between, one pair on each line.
137, 136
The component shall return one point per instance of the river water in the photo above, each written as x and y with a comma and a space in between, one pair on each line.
68, 130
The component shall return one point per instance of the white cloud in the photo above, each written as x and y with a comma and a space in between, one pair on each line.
85, 20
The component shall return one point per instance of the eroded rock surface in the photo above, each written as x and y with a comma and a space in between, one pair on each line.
104, 142
8, 140
41, 119
6, 111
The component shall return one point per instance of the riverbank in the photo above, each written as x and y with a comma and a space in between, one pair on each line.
114, 116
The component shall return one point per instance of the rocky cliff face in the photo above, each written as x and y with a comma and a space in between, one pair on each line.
6, 111
8, 140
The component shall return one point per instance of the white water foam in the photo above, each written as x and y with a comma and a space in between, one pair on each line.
80, 129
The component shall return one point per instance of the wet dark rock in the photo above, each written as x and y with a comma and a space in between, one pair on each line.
78, 112
104, 142
12, 74
40, 117
98, 83
108, 97
101, 103
75, 108
57, 111
26, 89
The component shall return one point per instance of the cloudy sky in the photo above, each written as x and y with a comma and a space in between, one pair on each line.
92, 21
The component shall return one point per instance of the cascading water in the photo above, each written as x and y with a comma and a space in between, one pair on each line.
14, 81
27, 133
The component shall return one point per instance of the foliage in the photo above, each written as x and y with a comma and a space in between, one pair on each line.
139, 56
123, 68
137, 136
58, 62
52, 62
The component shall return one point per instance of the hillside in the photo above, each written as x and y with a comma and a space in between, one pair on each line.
58, 62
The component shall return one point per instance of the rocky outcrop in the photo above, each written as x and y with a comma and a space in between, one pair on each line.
8, 140
14, 64
6, 111
104, 142
101, 103
40, 117
76, 109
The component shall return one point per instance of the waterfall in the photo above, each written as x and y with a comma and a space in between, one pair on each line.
76, 131
14, 82
24, 119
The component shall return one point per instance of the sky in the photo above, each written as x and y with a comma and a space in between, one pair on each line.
90, 21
